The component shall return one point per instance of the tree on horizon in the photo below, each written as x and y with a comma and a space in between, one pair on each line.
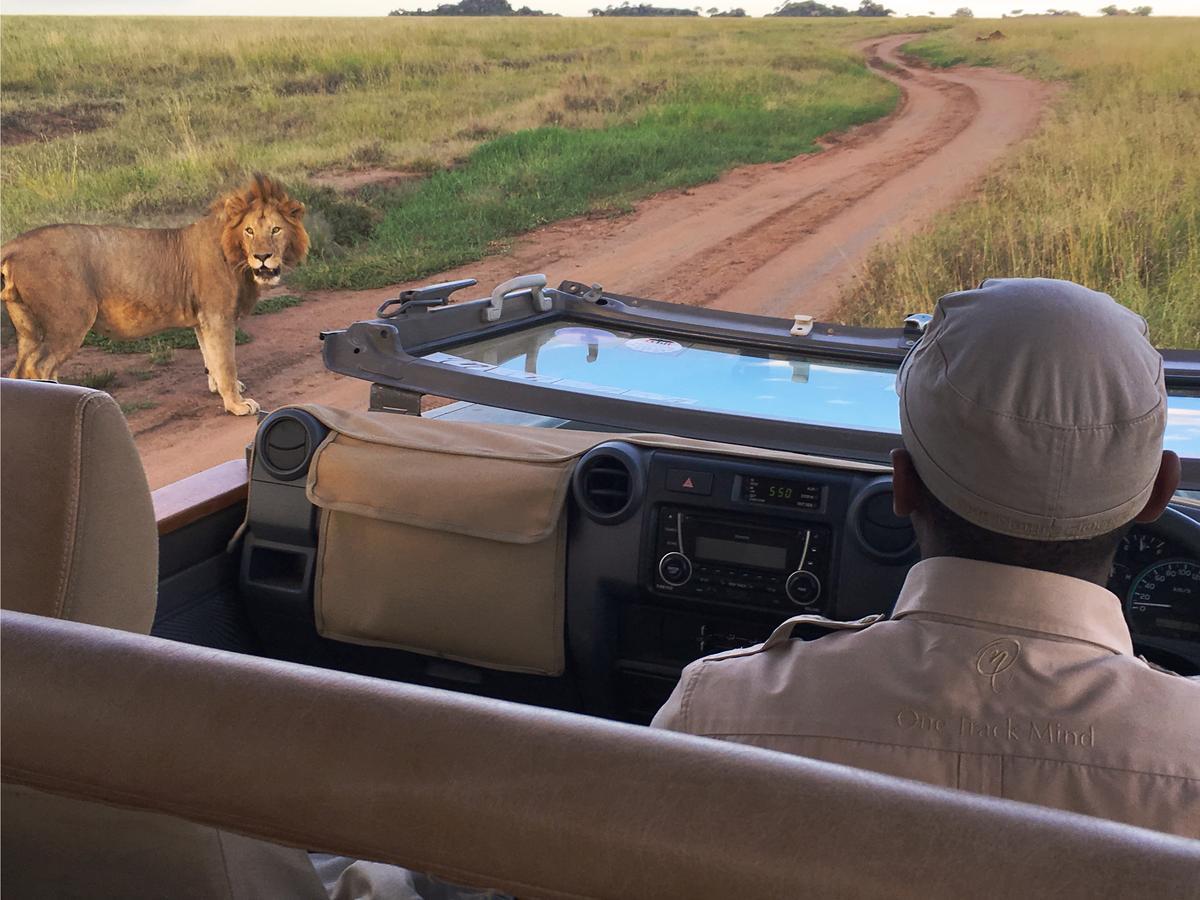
814, 9
473, 8
643, 9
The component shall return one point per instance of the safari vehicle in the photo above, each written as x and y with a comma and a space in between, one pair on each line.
432, 639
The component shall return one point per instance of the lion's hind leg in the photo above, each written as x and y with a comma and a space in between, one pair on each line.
36, 356
22, 368
44, 363
29, 338
44, 342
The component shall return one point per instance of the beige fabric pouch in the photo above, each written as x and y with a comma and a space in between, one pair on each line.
444, 538
449, 538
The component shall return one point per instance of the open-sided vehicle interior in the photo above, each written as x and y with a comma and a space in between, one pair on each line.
431, 640
675, 547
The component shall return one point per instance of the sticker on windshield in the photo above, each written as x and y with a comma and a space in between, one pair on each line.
654, 345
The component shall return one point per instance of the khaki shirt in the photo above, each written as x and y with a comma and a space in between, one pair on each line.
1000, 680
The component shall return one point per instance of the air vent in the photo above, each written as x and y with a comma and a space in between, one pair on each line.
882, 533
604, 486
608, 483
287, 441
285, 445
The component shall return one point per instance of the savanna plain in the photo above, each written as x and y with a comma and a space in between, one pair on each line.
422, 144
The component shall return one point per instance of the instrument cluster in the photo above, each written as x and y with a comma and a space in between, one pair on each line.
1159, 584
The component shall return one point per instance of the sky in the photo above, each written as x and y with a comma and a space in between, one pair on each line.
982, 8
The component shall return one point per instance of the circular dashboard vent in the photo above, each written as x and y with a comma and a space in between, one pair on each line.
287, 441
608, 483
882, 533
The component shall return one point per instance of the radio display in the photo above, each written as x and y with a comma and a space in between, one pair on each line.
764, 556
781, 492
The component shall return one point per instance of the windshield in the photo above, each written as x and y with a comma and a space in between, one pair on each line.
651, 368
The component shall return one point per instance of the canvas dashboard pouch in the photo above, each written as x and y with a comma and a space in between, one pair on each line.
444, 538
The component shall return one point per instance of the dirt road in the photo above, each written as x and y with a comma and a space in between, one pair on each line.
776, 239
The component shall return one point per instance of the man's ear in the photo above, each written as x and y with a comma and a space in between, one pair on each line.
906, 483
1165, 485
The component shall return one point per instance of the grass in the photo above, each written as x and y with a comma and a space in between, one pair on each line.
1106, 194
165, 341
137, 406
520, 181
276, 304
162, 356
515, 123
104, 380
108, 380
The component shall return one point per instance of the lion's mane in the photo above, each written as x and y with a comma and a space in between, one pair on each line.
262, 192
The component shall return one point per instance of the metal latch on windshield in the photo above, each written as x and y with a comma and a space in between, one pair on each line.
423, 297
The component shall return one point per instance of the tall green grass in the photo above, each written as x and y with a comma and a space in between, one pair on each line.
519, 181
519, 121
1107, 193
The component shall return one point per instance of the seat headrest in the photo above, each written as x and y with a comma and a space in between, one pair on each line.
77, 528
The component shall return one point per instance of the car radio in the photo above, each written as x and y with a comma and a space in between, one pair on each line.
770, 564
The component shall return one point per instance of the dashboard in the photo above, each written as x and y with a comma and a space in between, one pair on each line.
673, 554
726, 547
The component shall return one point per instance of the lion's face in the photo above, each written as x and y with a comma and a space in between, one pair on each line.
265, 236
263, 233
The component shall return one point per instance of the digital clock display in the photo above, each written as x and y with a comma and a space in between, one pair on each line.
781, 492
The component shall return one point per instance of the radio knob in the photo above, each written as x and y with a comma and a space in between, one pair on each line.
675, 569
803, 588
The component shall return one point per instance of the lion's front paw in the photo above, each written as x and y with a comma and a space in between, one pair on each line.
247, 407
213, 389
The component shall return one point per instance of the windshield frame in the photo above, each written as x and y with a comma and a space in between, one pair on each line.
390, 352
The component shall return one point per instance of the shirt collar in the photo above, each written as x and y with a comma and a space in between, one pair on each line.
990, 594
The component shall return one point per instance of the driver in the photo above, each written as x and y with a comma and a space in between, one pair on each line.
1032, 414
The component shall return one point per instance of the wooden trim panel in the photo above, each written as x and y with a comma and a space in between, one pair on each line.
191, 499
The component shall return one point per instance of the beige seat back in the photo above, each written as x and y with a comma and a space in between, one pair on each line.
77, 532
62, 847
536, 802
78, 541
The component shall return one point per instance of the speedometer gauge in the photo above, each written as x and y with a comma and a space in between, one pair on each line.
1138, 550
1165, 600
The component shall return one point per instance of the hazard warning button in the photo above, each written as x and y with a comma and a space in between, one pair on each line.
687, 481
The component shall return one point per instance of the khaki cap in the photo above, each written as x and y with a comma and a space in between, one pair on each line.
1035, 408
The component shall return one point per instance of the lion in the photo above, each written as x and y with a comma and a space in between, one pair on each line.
61, 281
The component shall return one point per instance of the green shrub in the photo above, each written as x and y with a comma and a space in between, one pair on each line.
275, 304
103, 380
171, 339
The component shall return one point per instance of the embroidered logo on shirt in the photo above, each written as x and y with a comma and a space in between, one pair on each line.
995, 657
1010, 729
